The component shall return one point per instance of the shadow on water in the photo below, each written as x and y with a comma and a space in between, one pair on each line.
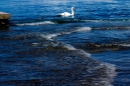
97, 47
4, 28
4, 24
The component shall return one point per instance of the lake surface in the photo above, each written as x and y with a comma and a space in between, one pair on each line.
91, 48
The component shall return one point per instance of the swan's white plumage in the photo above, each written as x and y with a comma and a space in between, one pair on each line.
66, 14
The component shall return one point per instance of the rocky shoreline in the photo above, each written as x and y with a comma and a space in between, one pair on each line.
4, 20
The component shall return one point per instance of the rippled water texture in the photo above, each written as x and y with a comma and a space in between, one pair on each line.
90, 48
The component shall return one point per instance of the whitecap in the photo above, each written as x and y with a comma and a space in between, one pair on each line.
35, 44
82, 52
105, 71
53, 35
50, 36
125, 45
69, 47
82, 29
36, 23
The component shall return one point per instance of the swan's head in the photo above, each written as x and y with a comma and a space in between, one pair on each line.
72, 8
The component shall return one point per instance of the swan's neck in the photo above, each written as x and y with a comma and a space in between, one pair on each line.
72, 10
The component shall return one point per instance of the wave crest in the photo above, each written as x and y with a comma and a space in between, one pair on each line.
36, 23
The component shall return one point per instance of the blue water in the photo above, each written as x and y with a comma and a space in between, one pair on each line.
90, 48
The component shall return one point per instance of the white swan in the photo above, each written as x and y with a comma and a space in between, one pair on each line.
66, 14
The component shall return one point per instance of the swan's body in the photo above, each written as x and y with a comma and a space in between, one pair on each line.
66, 14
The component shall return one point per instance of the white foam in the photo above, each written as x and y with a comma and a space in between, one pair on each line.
35, 44
110, 72
78, 29
91, 20
125, 45
111, 69
69, 47
82, 29
82, 52
36, 23
50, 36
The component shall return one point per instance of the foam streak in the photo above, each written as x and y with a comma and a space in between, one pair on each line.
36, 23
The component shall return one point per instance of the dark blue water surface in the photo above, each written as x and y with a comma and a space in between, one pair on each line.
91, 48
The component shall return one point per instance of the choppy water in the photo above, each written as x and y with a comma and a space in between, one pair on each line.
89, 49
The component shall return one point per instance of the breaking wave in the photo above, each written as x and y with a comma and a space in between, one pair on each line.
35, 23
125, 45
77, 29
105, 72
53, 62
95, 73
82, 29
